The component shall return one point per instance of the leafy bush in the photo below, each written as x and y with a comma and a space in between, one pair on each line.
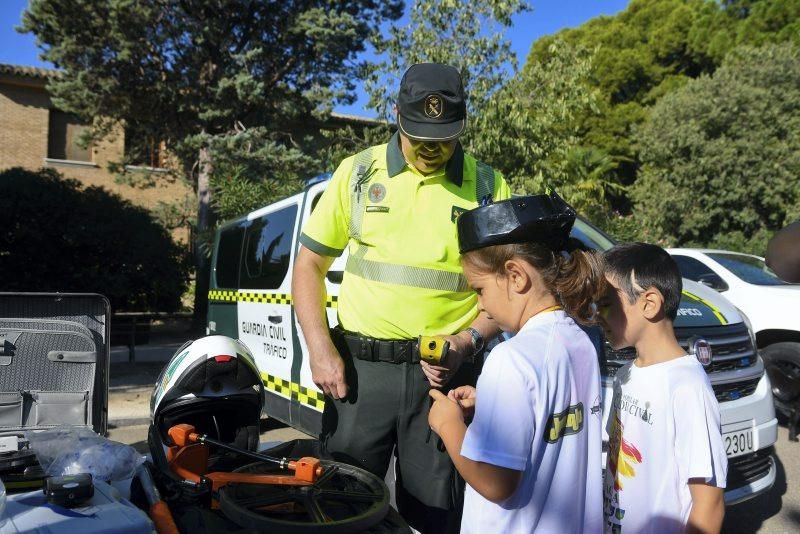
721, 155
56, 235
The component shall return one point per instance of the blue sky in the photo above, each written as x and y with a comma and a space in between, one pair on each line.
547, 17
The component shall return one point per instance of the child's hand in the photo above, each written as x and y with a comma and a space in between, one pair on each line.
465, 397
443, 411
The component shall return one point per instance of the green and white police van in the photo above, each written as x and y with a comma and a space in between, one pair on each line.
250, 299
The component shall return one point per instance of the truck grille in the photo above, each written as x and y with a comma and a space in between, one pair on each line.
730, 345
737, 390
743, 470
731, 349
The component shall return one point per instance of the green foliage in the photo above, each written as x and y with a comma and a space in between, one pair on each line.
345, 142
58, 236
721, 156
653, 48
225, 74
530, 130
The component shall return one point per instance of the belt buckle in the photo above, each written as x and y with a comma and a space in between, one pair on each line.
404, 352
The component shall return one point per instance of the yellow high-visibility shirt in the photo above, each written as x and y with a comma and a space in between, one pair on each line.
403, 276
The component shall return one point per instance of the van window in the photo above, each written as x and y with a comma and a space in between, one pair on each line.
691, 268
229, 252
315, 201
267, 248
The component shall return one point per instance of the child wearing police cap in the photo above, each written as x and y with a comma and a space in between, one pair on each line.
531, 456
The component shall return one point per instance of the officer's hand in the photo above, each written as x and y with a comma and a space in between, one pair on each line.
436, 374
327, 372
443, 411
460, 348
465, 397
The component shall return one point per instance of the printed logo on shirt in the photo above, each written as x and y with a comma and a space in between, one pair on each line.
596, 408
622, 457
632, 405
565, 423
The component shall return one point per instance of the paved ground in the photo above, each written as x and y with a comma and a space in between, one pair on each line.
775, 512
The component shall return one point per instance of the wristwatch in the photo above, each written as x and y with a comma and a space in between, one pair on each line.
477, 340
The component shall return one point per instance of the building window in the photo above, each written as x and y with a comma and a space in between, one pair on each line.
64, 133
144, 151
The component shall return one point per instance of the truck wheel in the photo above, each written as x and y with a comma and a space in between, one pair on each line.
782, 361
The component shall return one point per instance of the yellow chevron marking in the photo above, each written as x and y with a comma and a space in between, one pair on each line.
292, 390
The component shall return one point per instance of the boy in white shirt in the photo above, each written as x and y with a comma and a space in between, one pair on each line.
666, 464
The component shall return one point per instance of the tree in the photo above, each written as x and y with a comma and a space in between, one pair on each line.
529, 129
213, 79
653, 48
59, 236
721, 156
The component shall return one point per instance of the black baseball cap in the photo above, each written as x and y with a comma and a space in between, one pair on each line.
544, 219
431, 103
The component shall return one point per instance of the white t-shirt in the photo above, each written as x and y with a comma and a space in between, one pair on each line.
538, 411
663, 430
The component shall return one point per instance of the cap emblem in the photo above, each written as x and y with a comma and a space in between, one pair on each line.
434, 107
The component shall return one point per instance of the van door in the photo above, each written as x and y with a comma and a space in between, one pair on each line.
265, 318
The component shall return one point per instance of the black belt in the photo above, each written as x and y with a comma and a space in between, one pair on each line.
379, 350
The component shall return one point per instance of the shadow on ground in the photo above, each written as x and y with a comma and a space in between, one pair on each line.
133, 375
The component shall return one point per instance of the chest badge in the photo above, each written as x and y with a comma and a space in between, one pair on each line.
377, 192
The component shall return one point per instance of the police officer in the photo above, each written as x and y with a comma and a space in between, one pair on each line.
394, 208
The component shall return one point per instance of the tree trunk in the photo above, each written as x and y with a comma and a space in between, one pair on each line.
202, 261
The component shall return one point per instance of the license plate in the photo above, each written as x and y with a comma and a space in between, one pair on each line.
738, 442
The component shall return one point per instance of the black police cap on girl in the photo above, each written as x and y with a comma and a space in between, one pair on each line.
544, 219
431, 104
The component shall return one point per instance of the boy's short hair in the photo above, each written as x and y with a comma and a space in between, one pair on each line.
639, 266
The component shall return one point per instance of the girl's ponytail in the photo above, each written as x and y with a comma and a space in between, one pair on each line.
580, 283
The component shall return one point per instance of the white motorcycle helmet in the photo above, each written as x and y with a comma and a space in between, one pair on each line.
212, 383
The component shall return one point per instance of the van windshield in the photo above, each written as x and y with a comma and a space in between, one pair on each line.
751, 269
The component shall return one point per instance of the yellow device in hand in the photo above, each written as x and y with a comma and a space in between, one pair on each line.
432, 348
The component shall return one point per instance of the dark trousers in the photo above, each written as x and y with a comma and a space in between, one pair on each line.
387, 409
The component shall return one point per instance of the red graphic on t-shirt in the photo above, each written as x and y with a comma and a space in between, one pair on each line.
622, 455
